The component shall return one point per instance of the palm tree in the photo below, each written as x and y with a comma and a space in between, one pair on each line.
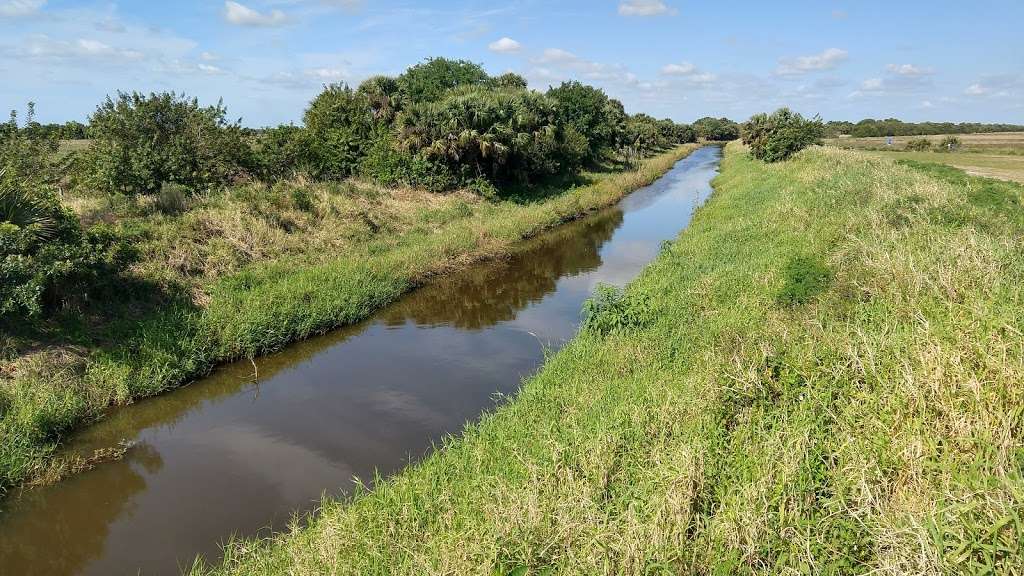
28, 211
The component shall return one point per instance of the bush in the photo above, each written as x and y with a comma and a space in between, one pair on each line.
777, 136
340, 124
25, 153
47, 260
431, 80
501, 135
282, 152
586, 110
140, 142
919, 145
610, 310
716, 129
391, 167
950, 144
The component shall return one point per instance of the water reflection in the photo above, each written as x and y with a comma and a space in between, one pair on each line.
227, 455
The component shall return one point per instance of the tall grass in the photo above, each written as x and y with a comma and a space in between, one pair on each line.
827, 381
256, 287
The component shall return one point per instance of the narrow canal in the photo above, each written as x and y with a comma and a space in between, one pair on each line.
234, 455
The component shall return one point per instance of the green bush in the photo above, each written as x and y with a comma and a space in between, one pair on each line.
950, 144
777, 136
140, 142
501, 135
586, 110
47, 261
391, 167
716, 129
25, 153
919, 145
611, 310
431, 80
340, 124
282, 152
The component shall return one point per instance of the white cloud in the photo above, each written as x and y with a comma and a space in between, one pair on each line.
976, 90
908, 70
558, 64
209, 69
927, 104
208, 57
827, 60
872, 84
683, 69
505, 45
20, 8
46, 48
242, 15
557, 55
644, 8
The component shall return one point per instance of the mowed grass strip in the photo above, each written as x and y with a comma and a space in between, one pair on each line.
822, 375
266, 304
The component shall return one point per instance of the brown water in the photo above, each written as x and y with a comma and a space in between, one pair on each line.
228, 455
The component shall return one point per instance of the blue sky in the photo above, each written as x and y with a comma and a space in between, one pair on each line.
931, 60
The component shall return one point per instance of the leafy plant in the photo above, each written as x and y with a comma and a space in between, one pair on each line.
340, 122
804, 278
141, 142
611, 310
950, 144
919, 145
777, 136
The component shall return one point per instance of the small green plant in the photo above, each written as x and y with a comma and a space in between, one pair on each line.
804, 278
611, 310
777, 136
919, 145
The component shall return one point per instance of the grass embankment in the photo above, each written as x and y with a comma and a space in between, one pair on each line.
822, 375
248, 272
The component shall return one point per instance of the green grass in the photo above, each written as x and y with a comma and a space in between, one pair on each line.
869, 423
244, 273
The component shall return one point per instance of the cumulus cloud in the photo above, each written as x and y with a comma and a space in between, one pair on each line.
242, 15
644, 8
682, 69
826, 60
20, 8
908, 70
505, 45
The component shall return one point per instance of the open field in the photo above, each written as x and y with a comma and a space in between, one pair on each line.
993, 143
1003, 167
820, 376
248, 271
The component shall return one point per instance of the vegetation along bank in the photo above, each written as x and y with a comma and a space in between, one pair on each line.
173, 239
820, 375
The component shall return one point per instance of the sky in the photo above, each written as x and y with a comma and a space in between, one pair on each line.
682, 59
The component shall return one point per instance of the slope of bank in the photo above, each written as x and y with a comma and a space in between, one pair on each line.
821, 375
269, 303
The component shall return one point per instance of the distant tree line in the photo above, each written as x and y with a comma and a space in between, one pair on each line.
870, 127
442, 124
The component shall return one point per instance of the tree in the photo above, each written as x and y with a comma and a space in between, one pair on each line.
429, 81
510, 80
340, 122
777, 136
383, 96
587, 110
718, 129
141, 142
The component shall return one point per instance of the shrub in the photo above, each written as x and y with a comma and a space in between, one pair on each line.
281, 152
500, 135
431, 80
140, 142
804, 278
611, 310
919, 144
717, 129
585, 109
389, 166
27, 154
340, 124
777, 136
47, 260
950, 144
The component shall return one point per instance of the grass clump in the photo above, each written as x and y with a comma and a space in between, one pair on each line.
872, 429
805, 277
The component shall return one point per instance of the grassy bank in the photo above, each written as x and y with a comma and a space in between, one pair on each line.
822, 375
248, 272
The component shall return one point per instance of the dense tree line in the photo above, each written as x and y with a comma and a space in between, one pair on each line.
870, 127
442, 124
